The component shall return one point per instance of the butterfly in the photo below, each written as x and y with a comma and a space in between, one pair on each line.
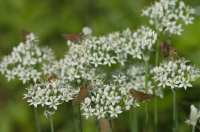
167, 49
24, 34
74, 37
140, 95
83, 93
52, 77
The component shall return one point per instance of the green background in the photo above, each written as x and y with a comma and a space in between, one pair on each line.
48, 20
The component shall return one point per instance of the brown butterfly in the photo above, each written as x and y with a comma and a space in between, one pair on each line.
83, 93
140, 95
167, 49
24, 34
74, 37
52, 77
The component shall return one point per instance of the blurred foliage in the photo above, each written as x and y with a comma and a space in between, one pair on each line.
49, 19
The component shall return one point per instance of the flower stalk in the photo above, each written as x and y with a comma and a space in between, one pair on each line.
146, 89
51, 120
110, 124
135, 119
36, 118
80, 120
155, 100
174, 112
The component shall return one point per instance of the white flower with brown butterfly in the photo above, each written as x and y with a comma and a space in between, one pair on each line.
105, 100
49, 94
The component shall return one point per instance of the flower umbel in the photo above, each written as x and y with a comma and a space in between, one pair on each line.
175, 73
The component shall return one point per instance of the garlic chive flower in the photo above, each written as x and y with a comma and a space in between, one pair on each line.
194, 116
145, 41
106, 100
96, 53
25, 59
175, 73
168, 16
49, 95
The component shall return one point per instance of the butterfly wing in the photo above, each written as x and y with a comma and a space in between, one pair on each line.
24, 34
143, 96
52, 77
73, 37
165, 48
140, 95
80, 97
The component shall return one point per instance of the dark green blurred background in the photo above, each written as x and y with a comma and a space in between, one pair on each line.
49, 19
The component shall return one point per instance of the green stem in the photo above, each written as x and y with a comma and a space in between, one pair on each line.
131, 119
97, 124
80, 121
155, 114
174, 112
193, 128
76, 118
51, 120
110, 124
135, 119
155, 100
37, 120
146, 89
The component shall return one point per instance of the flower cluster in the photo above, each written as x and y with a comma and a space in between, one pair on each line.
194, 116
25, 59
85, 61
49, 94
167, 17
175, 73
145, 38
106, 102
136, 78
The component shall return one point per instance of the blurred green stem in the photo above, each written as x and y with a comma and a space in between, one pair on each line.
98, 124
174, 112
110, 124
155, 100
146, 89
135, 119
76, 118
51, 120
37, 120
193, 128
80, 120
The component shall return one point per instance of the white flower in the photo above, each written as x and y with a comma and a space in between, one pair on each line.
96, 61
184, 83
194, 116
34, 101
49, 94
167, 17
109, 60
87, 30
175, 73
114, 111
54, 102
119, 78
114, 99
100, 113
88, 112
